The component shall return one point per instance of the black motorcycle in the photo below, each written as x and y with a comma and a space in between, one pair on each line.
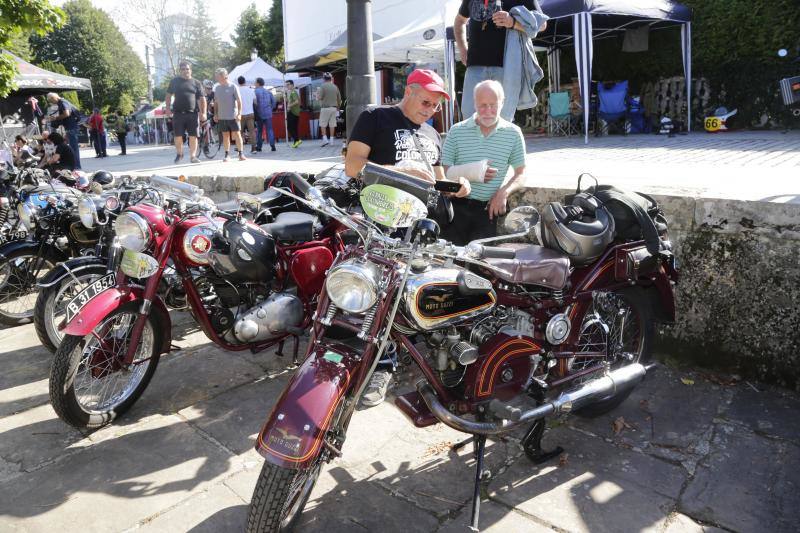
48, 212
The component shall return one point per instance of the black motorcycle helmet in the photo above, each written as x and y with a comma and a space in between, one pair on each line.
103, 177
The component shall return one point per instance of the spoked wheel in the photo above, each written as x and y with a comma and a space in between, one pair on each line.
89, 383
211, 143
51, 304
623, 322
19, 273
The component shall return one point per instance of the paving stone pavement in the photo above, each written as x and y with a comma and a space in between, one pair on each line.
687, 452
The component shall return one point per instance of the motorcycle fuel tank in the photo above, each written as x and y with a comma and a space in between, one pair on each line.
437, 298
243, 253
308, 268
195, 235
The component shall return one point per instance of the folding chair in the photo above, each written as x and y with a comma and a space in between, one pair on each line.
559, 117
612, 107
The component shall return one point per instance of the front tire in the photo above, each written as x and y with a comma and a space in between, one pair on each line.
19, 273
51, 304
89, 385
280, 496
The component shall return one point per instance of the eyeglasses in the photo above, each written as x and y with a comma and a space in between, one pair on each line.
427, 104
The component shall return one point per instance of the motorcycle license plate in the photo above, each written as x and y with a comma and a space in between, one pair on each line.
82, 298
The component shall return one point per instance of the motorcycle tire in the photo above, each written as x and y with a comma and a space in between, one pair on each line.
280, 496
13, 286
51, 302
70, 364
640, 309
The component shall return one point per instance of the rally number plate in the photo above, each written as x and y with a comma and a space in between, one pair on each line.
83, 297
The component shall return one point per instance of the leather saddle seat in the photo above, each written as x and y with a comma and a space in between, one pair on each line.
292, 226
266, 197
533, 265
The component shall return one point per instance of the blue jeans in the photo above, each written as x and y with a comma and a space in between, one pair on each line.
473, 77
260, 125
72, 139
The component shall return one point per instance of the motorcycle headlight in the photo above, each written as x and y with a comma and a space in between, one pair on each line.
132, 231
87, 212
27, 215
353, 286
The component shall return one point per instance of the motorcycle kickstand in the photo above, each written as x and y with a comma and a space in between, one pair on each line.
457, 446
481, 480
295, 350
532, 444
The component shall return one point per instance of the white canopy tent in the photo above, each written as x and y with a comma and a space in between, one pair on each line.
258, 68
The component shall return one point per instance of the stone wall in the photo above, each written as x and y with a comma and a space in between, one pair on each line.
738, 299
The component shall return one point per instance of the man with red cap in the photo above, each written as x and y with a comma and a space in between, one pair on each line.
399, 137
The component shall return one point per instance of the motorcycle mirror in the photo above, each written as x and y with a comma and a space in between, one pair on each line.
522, 219
783, 52
248, 201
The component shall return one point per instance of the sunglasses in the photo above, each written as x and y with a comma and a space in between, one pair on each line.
427, 104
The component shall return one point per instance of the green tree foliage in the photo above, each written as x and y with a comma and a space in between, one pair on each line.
202, 45
17, 18
125, 105
91, 46
264, 33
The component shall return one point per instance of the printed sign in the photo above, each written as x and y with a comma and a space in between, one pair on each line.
391, 207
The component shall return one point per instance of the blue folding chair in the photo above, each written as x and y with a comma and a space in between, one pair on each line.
559, 117
612, 107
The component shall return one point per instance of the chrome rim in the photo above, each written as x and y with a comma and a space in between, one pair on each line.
55, 309
101, 382
299, 493
18, 279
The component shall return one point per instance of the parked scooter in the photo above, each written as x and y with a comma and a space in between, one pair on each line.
569, 323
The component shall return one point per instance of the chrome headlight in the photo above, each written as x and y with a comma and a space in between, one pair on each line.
27, 215
87, 212
353, 286
132, 231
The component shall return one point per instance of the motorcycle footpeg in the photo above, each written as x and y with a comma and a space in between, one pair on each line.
504, 411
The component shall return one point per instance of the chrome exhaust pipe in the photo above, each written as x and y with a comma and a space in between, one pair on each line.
616, 381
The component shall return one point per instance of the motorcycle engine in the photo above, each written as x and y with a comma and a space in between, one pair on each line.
280, 313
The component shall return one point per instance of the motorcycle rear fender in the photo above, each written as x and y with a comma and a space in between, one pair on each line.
109, 301
662, 297
50, 252
293, 435
75, 265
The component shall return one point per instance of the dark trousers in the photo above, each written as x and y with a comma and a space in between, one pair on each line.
72, 139
470, 222
262, 124
292, 120
122, 141
93, 141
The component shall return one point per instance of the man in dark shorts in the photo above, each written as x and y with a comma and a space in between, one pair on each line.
399, 137
228, 113
189, 101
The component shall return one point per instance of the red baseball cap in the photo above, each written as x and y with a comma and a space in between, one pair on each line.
428, 80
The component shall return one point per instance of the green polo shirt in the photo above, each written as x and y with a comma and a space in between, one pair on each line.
504, 147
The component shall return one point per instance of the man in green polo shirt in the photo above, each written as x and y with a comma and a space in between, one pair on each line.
485, 135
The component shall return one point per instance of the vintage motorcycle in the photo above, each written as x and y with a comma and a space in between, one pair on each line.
570, 328
47, 211
248, 286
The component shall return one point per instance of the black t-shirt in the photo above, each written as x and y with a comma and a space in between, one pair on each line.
486, 42
71, 122
66, 159
390, 136
185, 94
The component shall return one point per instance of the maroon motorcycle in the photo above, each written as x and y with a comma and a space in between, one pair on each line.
249, 287
569, 324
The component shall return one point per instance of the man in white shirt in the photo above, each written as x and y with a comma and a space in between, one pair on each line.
248, 96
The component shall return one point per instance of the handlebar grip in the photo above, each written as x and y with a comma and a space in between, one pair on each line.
299, 183
496, 252
223, 214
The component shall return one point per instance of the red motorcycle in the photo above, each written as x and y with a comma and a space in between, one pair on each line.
249, 287
568, 324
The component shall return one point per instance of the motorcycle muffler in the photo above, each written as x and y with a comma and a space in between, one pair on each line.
614, 382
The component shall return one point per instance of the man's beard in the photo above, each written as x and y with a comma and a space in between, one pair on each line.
484, 121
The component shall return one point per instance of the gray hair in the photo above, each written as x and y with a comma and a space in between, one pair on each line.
49, 96
221, 71
493, 85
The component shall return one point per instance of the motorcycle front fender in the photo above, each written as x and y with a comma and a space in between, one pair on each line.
50, 252
109, 301
75, 265
293, 435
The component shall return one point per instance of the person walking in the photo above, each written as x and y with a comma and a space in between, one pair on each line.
265, 103
292, 113
98, 126
330, 99
189, 101
66, 115
116, 123
248, 96
228, 113
483, 47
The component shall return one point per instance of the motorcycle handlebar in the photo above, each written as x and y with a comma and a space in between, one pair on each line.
490, 252
299, 183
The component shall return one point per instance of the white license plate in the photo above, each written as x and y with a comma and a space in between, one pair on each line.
82, 298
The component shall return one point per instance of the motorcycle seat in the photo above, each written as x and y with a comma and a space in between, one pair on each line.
533, 265
292, 226
266, 197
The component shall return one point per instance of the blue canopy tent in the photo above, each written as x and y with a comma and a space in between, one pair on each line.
579, 22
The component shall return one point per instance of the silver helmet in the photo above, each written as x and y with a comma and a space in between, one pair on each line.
581, 230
